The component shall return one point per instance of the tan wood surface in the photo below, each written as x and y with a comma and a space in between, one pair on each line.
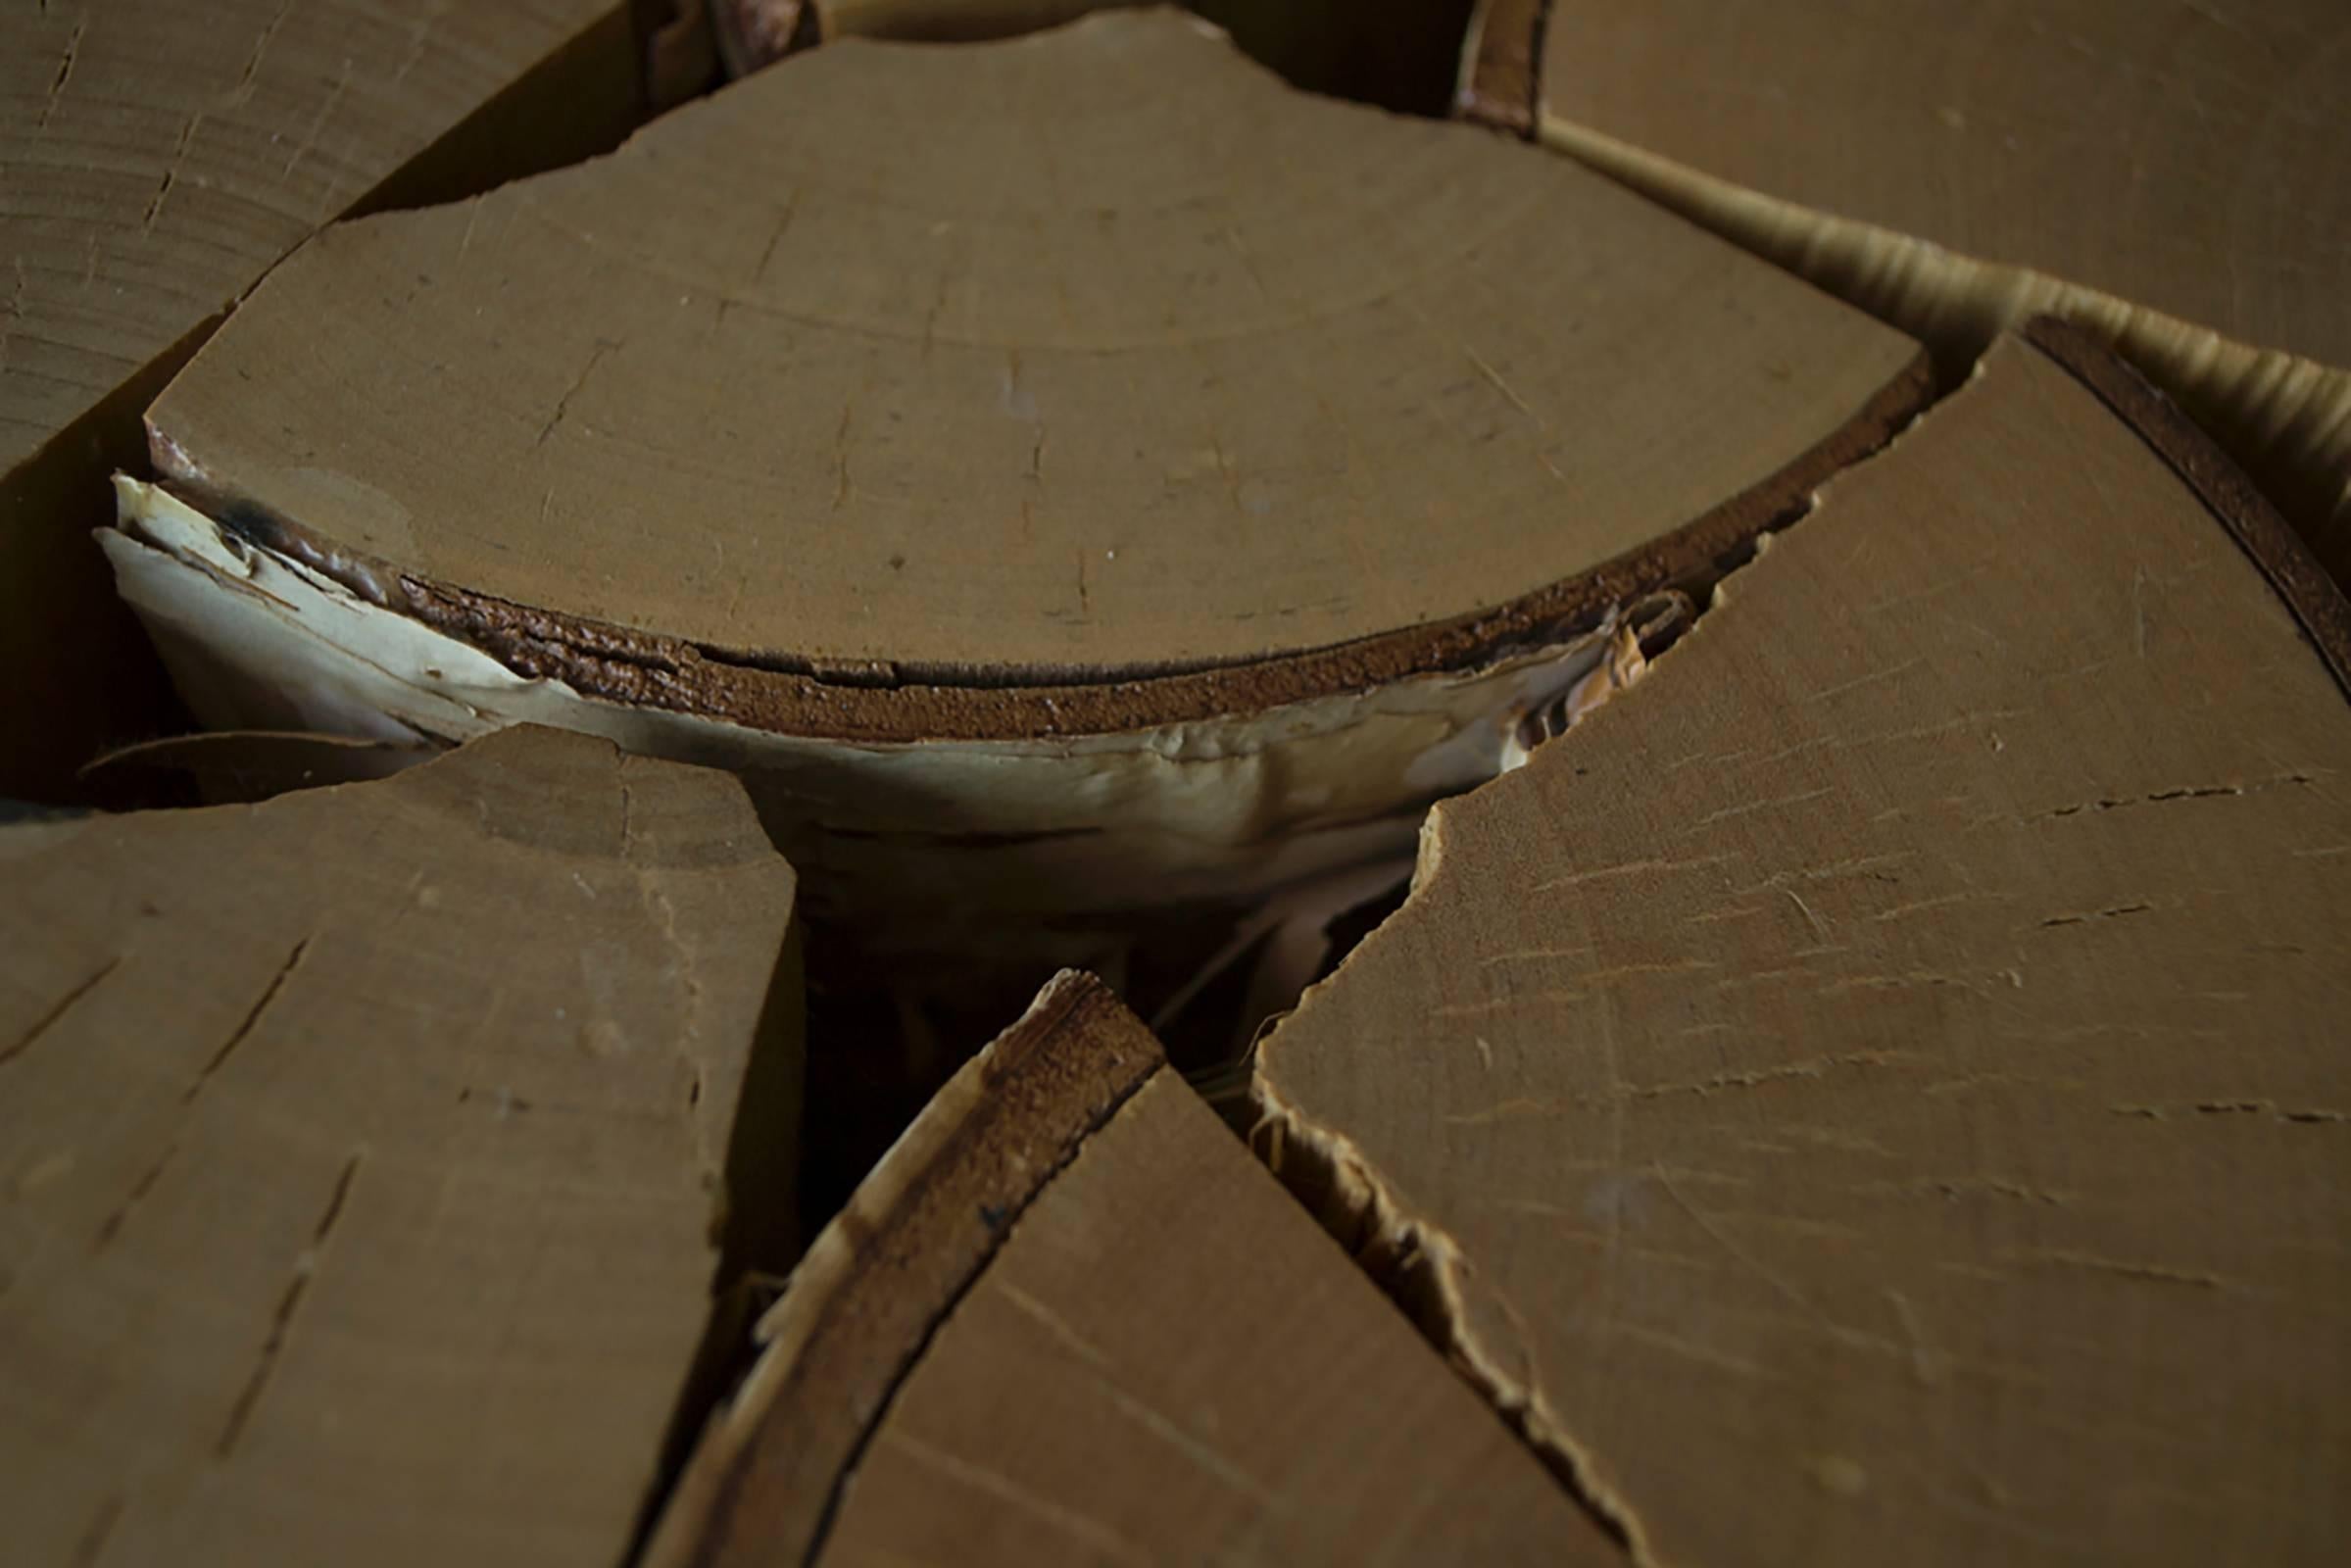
1069, 1319
156, 157
2188, 156
1022, 358
2176, 174
761, 1483
1876, 1091
362, 1156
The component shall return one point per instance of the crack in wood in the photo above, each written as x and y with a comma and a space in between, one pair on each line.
252, 1021
64, 74
112, 1227
305, 1267
58, 1011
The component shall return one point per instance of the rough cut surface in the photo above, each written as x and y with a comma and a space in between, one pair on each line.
1023, 357
361, 1157
160, 156
1068, 1319
1876, 1092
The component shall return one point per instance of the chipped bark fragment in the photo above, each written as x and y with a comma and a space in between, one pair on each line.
355, 1208
1839, 1148
763, 578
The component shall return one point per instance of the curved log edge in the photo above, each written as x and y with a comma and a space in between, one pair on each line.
1877, 1012
891, 703
863, 1302
926, 569
2119, 219
1098, 1325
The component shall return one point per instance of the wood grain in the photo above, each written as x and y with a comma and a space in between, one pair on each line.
2177, 175
365, 1156
765, 1481
1019, 361
1104, 1336
1874, 1091
159, 159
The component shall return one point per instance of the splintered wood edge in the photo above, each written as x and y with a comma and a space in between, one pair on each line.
1501, 65
1417, 1262
863, 1302
2285, 560
650, 670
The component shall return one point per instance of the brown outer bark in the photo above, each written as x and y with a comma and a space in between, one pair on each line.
2258, 528
1501, 79
766, 1482
668, 672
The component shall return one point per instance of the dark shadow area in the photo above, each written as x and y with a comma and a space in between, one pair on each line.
754, 1216
1402, 54
882, 1041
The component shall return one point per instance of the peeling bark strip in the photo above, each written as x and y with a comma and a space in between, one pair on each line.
392, 1076
1838, 139
1087, 1322
1666, 1154
1211, 389
2291, 566
1057, 560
